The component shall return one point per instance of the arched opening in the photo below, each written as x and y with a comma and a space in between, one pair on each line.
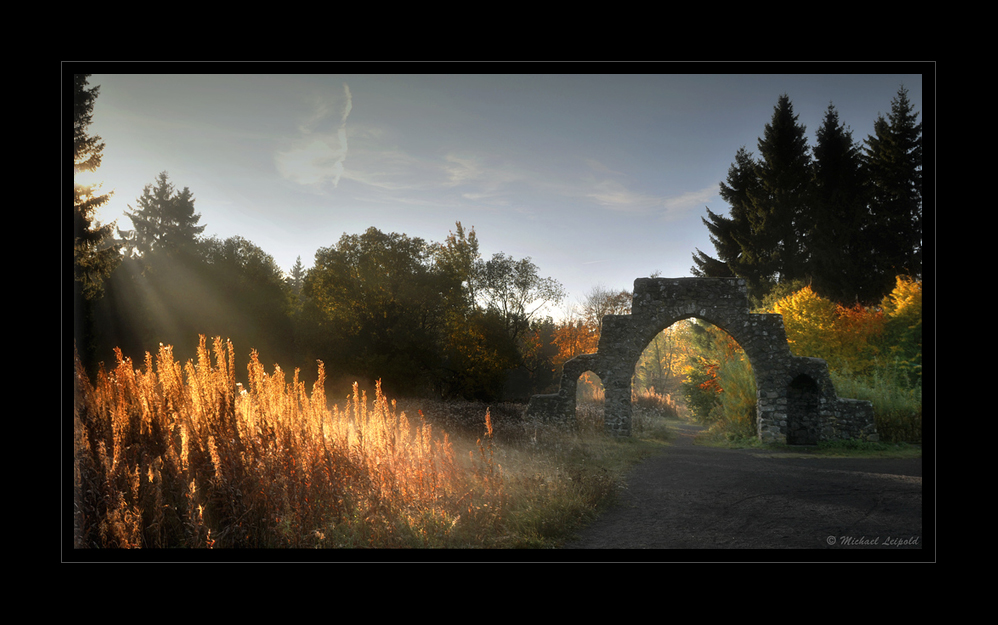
695, 369
803, 402
590, 402
656, 387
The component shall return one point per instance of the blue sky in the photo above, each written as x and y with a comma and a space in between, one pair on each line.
600, 179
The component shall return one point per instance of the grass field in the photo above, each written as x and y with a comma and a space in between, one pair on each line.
182, 456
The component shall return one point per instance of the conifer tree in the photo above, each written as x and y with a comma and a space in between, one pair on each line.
296, 277
893, 166
838, 259
732, 236
763, 238
164, 220
781, 201
94, 255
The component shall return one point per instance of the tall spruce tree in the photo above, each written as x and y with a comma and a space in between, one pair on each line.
296, 278
892, 161
838, 259
94, 255
781, 201
732, 235
762, 239
164, 220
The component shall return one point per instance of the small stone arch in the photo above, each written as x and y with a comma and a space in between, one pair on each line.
579, 391
660, 302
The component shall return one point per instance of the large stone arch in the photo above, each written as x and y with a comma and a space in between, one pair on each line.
660, 302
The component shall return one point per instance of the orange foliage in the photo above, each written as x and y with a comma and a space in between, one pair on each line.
712, 383
573, 339
847, 337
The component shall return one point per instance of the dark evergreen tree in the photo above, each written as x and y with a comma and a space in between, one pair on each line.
893, 166
838, 260
94, 254
732, 235
164, 220
762, 239
296, 277
782, 199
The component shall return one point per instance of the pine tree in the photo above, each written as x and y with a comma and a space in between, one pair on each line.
732, 236
782, 199
838, 259
893, 165
94, 255
296, 277
164, 220
763, 239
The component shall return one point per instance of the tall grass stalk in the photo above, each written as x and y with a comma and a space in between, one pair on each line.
174, 455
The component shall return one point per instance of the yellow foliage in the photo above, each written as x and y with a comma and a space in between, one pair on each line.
809, 320
905, 299
846, 337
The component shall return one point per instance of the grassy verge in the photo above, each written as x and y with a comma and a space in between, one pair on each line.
850, 449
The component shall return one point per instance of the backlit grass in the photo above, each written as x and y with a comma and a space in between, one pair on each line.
173, 456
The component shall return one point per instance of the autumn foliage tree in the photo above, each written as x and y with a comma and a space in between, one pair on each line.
856, 338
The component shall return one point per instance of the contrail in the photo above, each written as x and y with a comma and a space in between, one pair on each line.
318, 159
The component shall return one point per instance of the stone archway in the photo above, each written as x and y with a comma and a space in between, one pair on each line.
660, 302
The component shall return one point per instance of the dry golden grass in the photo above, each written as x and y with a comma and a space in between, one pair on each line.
174, 456
179, 456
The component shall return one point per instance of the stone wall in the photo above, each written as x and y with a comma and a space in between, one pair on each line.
796, 400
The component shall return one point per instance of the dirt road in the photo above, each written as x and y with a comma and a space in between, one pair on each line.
697, 498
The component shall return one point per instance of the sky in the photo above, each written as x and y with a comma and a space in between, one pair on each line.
599, 179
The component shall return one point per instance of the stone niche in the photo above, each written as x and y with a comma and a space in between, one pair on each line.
796, 402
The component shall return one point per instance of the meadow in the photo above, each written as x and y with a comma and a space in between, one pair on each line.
183, 456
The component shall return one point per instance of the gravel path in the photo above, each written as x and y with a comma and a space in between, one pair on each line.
693, 497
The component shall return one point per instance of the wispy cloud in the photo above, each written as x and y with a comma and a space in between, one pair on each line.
608, 191
316, 156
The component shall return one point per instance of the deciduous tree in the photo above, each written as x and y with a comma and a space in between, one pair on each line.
514, 290
601, 301
378, 304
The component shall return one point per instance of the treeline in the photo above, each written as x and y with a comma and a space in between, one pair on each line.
426, 318
843, 217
